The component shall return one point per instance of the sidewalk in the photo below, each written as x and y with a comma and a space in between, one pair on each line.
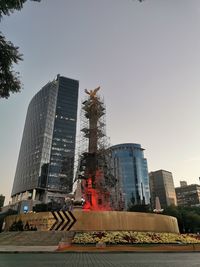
136, 248
15, 249
87, 249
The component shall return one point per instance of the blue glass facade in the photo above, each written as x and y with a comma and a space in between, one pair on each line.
130, 170
46, 159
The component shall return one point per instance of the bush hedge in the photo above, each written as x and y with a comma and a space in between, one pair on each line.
130, 237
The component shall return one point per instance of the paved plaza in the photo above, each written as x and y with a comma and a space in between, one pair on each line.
100, 259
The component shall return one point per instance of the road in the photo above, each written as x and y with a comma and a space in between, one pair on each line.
100, 259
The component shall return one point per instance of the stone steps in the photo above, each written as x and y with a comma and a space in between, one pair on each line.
29, 238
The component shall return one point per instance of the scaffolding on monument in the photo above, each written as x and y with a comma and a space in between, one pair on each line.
93, 164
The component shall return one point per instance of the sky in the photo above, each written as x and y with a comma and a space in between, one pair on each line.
146, 58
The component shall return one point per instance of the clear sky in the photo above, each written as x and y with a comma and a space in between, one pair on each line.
146, 58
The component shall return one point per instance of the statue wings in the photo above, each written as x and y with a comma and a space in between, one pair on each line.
92, 93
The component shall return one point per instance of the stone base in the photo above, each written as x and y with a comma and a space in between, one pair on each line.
80, 221
64, 244
66, 241
100, 245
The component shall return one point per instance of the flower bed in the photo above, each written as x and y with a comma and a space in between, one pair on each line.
129, 237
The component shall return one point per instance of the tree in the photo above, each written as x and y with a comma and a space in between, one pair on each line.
141, 207
9, 6
2, 199
188, 218
177, 213
9, 80
3, 215
17, 226
9, 54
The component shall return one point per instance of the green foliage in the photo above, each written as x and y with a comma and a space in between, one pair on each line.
9, 54
139, 208
188, 218
2, 198
142, 207
9, 6
3, 215
7, 213
17, 226
9, 80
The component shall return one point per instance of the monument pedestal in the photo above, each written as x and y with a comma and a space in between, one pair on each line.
82, 221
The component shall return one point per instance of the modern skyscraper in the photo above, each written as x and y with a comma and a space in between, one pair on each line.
130, 170
162, 186
46, 159
188, 195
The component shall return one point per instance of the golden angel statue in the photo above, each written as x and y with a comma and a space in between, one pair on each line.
92, 93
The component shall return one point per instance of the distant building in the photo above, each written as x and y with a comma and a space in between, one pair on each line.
130, 170
183, 183
45, 165
162, 186
2, 199
188, 195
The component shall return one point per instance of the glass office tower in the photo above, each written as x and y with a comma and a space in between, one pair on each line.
46, 160
130, 170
